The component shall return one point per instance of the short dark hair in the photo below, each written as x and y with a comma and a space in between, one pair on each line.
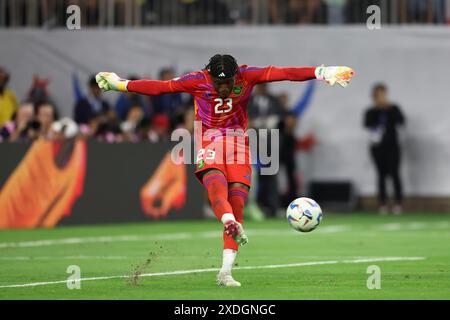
92, 82
44, 103
379, 86
222, 66
133, 77
165, 70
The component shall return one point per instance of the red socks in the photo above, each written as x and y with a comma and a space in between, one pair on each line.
225, 200
237, 196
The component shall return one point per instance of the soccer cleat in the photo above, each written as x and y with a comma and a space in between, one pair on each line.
224, 278
235, 230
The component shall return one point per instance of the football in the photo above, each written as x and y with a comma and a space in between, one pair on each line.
304, 214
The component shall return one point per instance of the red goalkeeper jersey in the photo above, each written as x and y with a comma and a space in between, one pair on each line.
213, 111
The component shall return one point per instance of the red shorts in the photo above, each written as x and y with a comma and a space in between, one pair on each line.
230, 156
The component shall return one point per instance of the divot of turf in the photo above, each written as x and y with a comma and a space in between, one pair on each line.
141, 268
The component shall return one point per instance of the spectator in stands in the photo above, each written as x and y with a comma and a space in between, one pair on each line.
290, 144
127, 100
264, 111
295, 11
336, 11
159, 129
45, 116
169, 104
382, 120
189, 120
106, 127
18, 128
92, 105
8, 100
39, 93
131, 126
420, 11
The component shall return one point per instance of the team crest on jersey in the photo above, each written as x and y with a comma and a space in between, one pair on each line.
237, 90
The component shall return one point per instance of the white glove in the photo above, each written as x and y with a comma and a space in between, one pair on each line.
111, 81
331, 75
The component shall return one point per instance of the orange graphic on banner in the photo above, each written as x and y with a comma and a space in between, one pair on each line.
165, 189
44, 186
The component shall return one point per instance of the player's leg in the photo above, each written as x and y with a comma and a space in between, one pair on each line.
239, 179
217, 186
395, 168
377, 156
239, 174
237, 196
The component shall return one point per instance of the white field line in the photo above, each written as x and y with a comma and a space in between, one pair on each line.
412, 226
159, 237
98, 239
183, 272
214, 234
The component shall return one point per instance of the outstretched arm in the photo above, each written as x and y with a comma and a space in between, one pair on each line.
111, 81
272, 73
150, 87
331, 75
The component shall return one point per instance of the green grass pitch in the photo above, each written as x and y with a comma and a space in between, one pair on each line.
135, 261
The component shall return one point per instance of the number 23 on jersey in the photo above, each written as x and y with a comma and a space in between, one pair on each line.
223, 105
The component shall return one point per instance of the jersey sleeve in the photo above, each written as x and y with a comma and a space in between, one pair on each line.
187, 83
272, 73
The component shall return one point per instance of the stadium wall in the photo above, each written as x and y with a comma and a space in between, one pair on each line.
45, 183
412, 61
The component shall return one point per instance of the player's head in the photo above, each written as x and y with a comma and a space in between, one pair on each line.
379, 94
223, 69
166, 74
94, 89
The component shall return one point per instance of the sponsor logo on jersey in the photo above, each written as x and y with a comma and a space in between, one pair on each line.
237, 90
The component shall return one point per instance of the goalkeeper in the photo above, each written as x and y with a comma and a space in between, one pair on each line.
221, 93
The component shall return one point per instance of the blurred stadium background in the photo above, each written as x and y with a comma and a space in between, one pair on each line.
105, 174
72, 155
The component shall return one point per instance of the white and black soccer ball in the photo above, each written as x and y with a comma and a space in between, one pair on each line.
304, 214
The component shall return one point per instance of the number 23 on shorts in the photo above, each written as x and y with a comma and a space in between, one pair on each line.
205, 154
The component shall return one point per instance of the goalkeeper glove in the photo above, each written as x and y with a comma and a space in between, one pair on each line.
111, 81
331, 75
